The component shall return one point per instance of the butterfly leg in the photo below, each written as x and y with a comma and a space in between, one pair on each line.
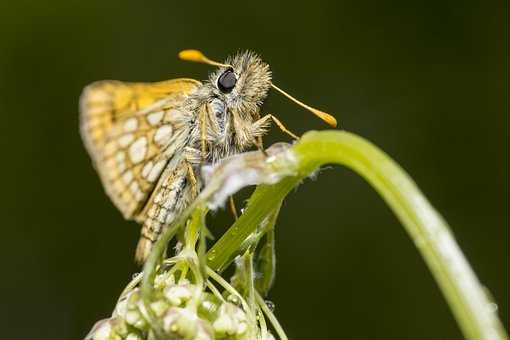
282, 127
203, 132
263, 121
192, 179
233, 207
260, 146
258, 129
259, 142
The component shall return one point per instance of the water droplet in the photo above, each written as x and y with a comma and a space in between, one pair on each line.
270, 304
234, 299
212, 255
178, 247
493, 307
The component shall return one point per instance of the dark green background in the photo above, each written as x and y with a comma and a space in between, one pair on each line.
427, 81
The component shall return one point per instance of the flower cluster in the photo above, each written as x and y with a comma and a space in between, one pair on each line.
182, 310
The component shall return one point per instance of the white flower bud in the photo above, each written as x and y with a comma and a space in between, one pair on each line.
181, 322
205, 331
159, 307
135, 319
103, 331
231, 320
120, 327
164, 280
133, 336
121, 308
178, 294
175, 308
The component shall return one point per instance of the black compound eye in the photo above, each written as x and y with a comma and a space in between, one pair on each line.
227, 81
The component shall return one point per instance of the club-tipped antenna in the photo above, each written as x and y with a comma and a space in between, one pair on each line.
329, 119
198, 57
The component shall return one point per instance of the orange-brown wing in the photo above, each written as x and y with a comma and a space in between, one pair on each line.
131, 131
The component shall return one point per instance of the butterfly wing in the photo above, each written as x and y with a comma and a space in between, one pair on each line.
171, 195
131, 131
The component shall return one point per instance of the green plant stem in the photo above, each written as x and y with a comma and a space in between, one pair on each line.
272, 319
261, 204
150, 270
430, 233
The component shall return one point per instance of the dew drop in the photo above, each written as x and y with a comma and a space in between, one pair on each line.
212, 255
234, 299
270, 304
493, 307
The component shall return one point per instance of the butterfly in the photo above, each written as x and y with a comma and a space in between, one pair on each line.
148, 141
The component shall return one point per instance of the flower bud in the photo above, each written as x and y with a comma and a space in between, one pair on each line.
101, 330
178, 294
185, 324
164, 280
159, 307
231, 320
134, 336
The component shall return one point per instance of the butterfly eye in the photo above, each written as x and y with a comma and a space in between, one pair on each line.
227, 81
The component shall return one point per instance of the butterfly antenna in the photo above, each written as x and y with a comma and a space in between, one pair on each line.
198, 57
329, 119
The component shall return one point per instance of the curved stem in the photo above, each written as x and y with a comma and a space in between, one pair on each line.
261, 205
274, 321
425, 226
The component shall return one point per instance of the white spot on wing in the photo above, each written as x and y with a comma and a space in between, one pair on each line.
127, 177
134, 187
126, 139
121, 166
163, 134
172, 115
121, 163
155, 171
155, 118
147, 169
131, 124
120, 157
139, 195
138, 150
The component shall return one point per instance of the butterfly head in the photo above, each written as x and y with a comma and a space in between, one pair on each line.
243, 81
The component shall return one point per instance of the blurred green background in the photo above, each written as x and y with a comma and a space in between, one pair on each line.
425, 80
